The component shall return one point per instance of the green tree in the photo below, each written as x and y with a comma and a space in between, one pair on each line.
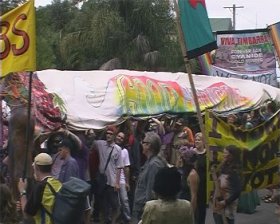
137, 35
7, 5
51, 21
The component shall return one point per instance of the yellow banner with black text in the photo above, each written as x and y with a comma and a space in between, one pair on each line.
17, 40
259, 149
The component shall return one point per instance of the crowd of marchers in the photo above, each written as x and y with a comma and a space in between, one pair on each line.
155, 172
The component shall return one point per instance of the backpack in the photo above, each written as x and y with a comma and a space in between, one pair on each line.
70, 201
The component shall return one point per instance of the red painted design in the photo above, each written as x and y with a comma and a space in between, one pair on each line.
194, 3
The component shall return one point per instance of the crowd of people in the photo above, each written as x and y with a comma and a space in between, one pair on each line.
155, 173
253, 118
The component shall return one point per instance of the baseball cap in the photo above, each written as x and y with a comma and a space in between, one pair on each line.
113, 129
57, 140
43, 159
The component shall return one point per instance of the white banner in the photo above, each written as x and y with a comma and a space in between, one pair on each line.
268, 77
94, 99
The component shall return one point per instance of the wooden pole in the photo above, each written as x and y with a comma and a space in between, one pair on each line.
189, 71
28, 123
1, 124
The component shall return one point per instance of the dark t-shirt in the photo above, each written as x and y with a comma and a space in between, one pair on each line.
34, 200
185, 192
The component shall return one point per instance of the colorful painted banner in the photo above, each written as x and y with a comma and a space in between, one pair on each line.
274, 31
17, 40
93, 99
248, 54
259, 149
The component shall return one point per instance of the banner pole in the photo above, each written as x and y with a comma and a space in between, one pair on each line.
189, 71
1, 125
28, 123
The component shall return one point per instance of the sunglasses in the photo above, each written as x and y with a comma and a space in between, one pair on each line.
144, 142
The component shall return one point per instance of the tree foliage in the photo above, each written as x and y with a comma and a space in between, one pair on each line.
7, 5
140, 35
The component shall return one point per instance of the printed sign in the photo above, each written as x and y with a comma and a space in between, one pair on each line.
246, 55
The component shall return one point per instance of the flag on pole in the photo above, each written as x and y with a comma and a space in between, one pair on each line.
198, 36
17, 40
275, 35
205, 62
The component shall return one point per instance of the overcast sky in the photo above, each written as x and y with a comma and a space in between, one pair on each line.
255, 14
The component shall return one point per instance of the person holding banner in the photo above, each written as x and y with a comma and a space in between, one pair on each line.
228, 187
144, 189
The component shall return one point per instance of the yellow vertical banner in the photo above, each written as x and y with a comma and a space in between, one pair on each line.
259, 147
17, 40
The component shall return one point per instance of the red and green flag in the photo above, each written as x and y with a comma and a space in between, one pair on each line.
198, 36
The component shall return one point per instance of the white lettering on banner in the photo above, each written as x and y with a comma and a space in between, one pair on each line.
240, 56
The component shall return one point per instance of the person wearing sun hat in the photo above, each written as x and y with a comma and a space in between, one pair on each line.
40, 197
43, 159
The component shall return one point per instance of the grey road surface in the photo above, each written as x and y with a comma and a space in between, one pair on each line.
264, 214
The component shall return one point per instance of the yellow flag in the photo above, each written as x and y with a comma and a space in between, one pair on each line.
17, 40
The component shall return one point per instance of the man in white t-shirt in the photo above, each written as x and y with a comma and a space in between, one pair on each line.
124, 180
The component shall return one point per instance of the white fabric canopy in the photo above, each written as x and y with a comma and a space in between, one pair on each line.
93, 99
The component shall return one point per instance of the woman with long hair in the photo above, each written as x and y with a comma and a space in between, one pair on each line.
228, 187
190, 178
8, 214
